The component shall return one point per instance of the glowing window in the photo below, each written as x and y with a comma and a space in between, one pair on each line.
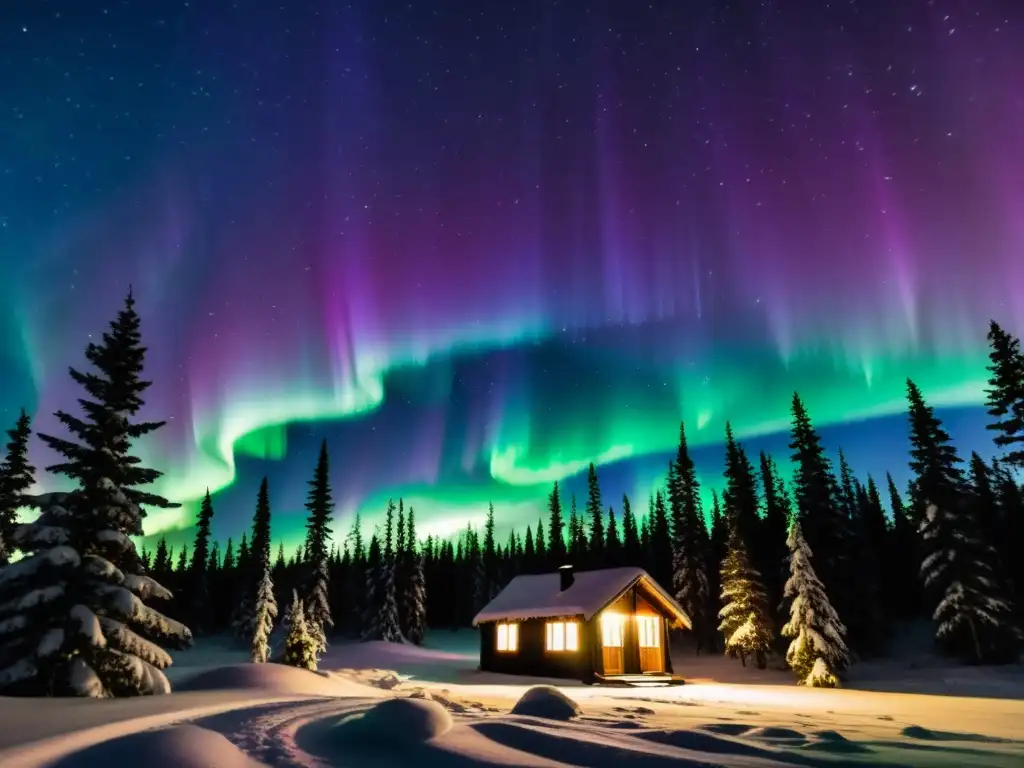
508, 638
563, 636
647, 631
612, 630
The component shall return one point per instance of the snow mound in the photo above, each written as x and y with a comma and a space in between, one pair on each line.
268, 678
180, 746
397, 722
548, 702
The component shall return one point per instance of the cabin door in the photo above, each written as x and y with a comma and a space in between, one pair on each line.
613, 627
649, 640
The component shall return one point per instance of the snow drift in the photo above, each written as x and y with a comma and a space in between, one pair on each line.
180, 746
266, 678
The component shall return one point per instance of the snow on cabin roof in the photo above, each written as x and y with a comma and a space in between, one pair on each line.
540, 595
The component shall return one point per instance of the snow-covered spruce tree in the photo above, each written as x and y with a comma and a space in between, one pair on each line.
16, 477
299, 645
387, 624
1005, 398
973, 618
371, 607
817, 653
689, 576
266, 612
316, 599
415, 601
414, 596
746, 622
250, 568
387, 618
73, 613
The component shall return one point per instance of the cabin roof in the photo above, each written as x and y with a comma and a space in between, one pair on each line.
540, 596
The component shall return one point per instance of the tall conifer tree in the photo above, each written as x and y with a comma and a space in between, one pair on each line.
689, 553
199, 572
819, 508
746, 624
774, 534
556, 527
16, 476
818, 652
1005, 396
972, 610
316, 593
595, 515
80, 562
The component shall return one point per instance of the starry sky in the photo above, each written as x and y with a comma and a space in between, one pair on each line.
477, 246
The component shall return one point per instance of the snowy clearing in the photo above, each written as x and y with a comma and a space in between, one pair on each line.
382, 704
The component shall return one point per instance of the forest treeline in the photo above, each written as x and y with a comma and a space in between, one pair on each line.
814, 569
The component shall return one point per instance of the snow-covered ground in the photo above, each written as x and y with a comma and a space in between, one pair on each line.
381, 705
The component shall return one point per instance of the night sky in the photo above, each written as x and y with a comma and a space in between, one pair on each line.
478, 245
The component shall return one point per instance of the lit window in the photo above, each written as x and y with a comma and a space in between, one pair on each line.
612, 630
563, 636
647, 631
508, 637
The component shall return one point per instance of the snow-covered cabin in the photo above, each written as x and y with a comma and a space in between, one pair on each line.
608, 625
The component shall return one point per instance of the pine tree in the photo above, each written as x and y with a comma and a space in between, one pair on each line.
689, 555
774, 532
316, 598
539, 545
253, 559
489, 558
902, 558
280, 564
162, 560
106, 433
386, 624
612, 545
16, 477
972, 607
200, 584
1010, 527
740, 494
370, 618
630, 534
182, 565
229, 555
595, 514
1005, 398
822, 521
661, 541
746, 625
974, 617
400, 532
847, 488
75, 605
266, 612
868, 629
259, 543
299, 644
474, 564
415, 601
555, 540
817, 653
577, 535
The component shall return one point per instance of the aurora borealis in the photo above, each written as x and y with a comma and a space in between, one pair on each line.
479, 245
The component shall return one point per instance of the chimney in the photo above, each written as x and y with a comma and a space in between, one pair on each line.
567, 575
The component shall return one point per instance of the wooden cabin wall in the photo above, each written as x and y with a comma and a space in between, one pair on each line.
533, 658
